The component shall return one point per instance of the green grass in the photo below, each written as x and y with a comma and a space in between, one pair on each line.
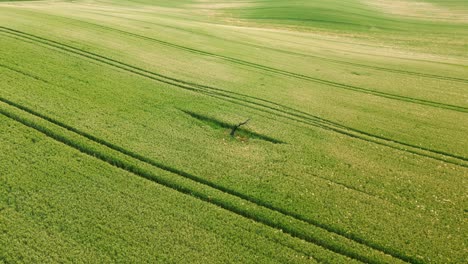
115, 120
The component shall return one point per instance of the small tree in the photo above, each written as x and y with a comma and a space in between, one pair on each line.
235, 127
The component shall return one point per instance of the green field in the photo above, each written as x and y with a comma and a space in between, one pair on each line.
115, 118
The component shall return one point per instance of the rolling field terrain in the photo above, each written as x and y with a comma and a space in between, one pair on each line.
115, 118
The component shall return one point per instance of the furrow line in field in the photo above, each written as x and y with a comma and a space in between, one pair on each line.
208, 183
259, 216
336, 127
284, 72
405, 72
134, 170
109, 62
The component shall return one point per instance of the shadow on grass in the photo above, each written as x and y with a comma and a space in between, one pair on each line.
243, 133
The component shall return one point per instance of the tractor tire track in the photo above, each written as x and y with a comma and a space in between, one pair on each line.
273, 223
416, 150
154, 163
201, 180
220, 94
320, 121
133, 170
365, 66
283, 72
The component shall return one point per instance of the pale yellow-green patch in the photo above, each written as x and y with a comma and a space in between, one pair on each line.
419, 10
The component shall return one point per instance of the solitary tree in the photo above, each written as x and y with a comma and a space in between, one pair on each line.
235, 127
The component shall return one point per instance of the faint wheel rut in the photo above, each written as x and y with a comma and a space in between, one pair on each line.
420, 74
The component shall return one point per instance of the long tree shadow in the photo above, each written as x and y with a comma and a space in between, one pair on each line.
217, 124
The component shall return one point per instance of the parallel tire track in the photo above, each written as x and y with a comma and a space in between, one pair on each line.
231, 96
330, 229
405, 72
176, 171
283, 72
358, 134
205, 182
129, 167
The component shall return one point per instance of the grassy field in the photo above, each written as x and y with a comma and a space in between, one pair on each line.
115, 118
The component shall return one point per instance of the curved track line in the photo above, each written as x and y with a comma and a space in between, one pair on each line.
412, 73
279, 71
219, 93
352, 236
124, 165
203, 181
30, 111
285, 73
416, 150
